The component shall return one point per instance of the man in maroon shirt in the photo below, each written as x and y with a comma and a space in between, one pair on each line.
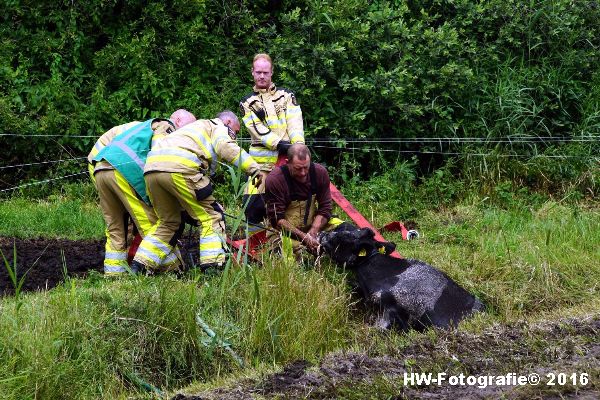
298, 200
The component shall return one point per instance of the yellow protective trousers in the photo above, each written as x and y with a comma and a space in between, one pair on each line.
118, 202
253, 200
170, 194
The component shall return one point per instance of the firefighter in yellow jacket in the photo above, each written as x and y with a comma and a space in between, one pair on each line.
120, 197
177, 177
274, 120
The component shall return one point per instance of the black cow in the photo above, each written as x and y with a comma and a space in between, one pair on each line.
406, 293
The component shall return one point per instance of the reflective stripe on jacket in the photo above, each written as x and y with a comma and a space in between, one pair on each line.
127, 151
197, 147
103, 141
271, 115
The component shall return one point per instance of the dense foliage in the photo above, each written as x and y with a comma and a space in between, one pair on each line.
403, 70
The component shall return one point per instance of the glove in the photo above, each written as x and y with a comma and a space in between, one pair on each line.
283, 146
258, 178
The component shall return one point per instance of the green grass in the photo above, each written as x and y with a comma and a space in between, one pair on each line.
58, 217
85, 338
525, 257
518, 261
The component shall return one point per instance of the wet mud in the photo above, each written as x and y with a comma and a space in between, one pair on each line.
568, 346
45, 262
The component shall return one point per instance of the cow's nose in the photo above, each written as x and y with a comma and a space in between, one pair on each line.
322, 237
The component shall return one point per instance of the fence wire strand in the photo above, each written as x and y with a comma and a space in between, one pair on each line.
344, 148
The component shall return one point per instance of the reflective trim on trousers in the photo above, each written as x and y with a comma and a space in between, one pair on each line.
115, 261
172, 258
153, 251
153, 260
214, 256
116, 255
139, 214
158, 244
112, 270
211, 249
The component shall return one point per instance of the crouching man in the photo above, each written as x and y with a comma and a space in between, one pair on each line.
116, 164
298, 202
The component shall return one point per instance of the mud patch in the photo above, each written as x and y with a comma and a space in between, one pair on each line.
566, 346
45, 261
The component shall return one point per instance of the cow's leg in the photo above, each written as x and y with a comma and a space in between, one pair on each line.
391, 315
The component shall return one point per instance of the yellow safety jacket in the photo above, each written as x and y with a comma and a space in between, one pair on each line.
102, 142
196, 148
271, 115
161, 129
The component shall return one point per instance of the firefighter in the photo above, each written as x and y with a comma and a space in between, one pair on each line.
116, 165
177, 176
298, 201
274, 119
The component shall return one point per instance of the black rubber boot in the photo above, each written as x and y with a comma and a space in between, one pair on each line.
137, 268
212, 268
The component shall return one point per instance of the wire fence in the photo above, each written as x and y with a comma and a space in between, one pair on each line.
508, 139
365, 145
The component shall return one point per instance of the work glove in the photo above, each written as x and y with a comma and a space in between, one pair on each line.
258, 178
283, 146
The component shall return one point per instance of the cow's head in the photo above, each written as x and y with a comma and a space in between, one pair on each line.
352, 247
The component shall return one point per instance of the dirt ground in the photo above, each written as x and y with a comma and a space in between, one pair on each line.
43, 261
567, 347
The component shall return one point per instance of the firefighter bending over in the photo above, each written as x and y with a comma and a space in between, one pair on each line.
177, 176
116, 165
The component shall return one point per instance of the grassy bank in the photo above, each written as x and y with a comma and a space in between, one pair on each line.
526, 257
90, 339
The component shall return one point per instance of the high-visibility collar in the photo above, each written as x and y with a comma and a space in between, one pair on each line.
271, 89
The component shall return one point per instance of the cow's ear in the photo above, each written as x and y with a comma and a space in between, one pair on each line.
387, 247
364, 248
366, 233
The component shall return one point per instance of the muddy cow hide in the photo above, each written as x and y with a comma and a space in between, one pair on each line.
406, 293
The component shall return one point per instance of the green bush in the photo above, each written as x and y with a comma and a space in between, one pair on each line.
395, 70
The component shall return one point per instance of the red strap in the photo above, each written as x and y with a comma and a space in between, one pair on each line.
133, 248
357, 217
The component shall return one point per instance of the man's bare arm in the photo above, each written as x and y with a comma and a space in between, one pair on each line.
308, 240
318, 223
